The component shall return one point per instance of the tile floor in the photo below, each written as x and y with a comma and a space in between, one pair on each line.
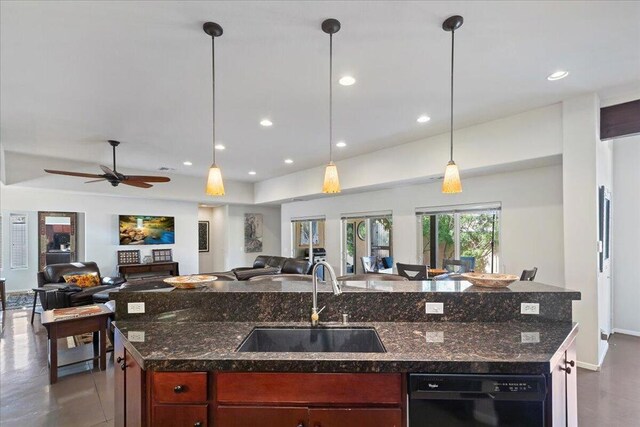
85, 398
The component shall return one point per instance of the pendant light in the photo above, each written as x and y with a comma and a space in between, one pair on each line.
451, 183
215, 186
331, 180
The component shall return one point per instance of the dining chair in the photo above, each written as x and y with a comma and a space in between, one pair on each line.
529, 275
413, 271
369, 264
463, 266
471, 260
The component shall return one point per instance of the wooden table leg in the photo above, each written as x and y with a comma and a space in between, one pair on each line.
103, 347
96, 348
53, 355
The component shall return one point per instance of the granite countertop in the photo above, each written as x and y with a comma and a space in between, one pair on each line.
427, 286
435, 347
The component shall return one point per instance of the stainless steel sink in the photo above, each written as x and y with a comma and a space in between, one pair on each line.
320, 340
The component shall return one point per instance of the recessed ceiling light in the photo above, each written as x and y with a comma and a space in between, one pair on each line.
288, 161
423, 119
220, 147
252, 172
341, 144
187, 163
560, 74
347, 80
266, 122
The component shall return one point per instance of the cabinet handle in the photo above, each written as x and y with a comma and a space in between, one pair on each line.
119, 359
197, 424
567, 370
300, 425
123, 366
571, 363
179, 389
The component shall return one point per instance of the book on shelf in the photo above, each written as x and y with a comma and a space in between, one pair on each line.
72, 312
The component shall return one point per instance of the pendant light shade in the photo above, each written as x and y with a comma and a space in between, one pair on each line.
331, 181
215, 186
451, 183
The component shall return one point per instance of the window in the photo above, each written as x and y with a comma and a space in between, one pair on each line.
18, 236
455, 232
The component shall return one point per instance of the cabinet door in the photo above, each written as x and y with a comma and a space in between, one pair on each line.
180, 416
254, 416
361, 417
559, 395
118, 380
572, 387
135, 403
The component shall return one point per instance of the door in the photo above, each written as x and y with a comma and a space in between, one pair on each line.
134, 386
572, 386
265, 416
559, 395
118, 379
361, 417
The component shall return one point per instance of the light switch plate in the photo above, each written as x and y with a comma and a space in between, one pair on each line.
135, 336
135, 307
529, 308
434, 336
530, 337
434, 308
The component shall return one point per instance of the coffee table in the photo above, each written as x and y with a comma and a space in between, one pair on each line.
96, 323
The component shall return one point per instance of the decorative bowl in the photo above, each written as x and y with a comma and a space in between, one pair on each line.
490, 280
190, 282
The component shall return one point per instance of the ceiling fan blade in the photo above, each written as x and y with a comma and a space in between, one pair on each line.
84, 175
147, 178
95, 180
137, 184
109, 171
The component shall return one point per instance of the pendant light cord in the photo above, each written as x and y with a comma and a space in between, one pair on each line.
330, 98
453, 32
213, 93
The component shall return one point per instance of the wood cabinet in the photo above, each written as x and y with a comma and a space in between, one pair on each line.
563, 404
361, 417
130, 388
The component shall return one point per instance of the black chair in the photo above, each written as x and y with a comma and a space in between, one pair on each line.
412, 271
463, 265
529, 275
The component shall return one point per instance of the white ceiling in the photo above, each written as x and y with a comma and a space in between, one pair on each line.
74, 74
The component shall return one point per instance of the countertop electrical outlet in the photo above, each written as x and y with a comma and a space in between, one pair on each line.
135, 336
135, 307
529, 308
434, 308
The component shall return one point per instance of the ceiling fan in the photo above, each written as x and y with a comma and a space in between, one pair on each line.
115, 177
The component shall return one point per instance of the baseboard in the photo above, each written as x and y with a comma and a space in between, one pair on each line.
626, 332
589, 366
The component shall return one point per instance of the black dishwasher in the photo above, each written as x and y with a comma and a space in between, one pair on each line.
454, 400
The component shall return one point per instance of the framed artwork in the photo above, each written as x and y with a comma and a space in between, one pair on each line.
253, 232
129, 257
203, 236
162, 255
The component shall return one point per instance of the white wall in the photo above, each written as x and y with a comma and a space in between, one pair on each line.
101, 228
626, 235
531, 233
206, 259
270, 240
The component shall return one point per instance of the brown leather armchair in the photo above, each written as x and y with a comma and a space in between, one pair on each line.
69, 295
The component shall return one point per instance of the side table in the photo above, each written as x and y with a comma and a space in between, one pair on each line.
36, 292
96, 323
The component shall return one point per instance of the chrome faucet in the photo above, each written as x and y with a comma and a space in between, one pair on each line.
334, 284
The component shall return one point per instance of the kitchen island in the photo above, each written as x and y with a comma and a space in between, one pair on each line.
180, 364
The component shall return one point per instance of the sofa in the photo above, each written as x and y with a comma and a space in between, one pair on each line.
265, 265
63, 294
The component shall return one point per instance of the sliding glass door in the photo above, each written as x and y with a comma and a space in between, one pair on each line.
367, 243
459, 233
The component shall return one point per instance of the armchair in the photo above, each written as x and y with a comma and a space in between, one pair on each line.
69, 295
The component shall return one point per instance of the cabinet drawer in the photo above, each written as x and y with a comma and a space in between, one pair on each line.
179, 387
180, 416
303, 388
252, 416
361, 417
